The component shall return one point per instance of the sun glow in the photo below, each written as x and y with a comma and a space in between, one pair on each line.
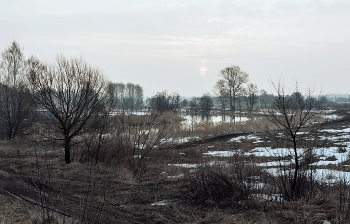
203, 70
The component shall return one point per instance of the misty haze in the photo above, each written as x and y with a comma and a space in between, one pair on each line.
194, 111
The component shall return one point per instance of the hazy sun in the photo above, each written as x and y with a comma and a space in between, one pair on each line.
203, 70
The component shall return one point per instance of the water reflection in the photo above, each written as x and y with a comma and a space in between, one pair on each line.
213, 119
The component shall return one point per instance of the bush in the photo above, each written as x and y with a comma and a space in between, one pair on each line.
215, 183
331, 158
306, 185
341, 149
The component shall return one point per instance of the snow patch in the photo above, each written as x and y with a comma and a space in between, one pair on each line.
161, 203
220, 153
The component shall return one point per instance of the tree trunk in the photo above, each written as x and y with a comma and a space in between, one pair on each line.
233, 106
230, 100
67, 150
296, 168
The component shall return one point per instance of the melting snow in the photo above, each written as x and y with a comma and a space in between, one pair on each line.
220, 153
161, 203
266, 197
324, 175
176, 177
248, 137
336, 130
275, 152
331, 117
325, 153
185, 165
275, 163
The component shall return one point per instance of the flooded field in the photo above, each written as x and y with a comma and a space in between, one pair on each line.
330, 162
196, 119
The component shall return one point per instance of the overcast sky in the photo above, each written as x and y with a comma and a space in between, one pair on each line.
182, 45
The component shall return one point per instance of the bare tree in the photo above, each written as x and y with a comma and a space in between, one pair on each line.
232, 80
184, 103
268, 99
240, 97
206, 103
138, 97
251, 96
127, 97
221, 93
15, 102
290, 115
162, 101
141, 134
72, 92
194, 105
117, 94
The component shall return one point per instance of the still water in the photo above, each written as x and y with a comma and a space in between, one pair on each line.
213, 119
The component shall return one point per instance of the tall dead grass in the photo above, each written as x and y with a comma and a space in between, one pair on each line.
220, 182
213, 129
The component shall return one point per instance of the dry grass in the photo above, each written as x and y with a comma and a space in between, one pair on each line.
125, 193
210, 194
208, 129
9, 211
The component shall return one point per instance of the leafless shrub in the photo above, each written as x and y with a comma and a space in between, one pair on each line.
222, 181
108, 154
213, 183
306, 184
290, 116
310, 157
141, 135
53, 201
341, 149
130, 144
343, 198
43, 208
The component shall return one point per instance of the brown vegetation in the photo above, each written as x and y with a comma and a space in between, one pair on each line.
123, 166
232, 190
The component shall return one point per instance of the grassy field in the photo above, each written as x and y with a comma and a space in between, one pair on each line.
228, 173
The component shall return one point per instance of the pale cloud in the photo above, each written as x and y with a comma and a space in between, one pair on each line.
189, 42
